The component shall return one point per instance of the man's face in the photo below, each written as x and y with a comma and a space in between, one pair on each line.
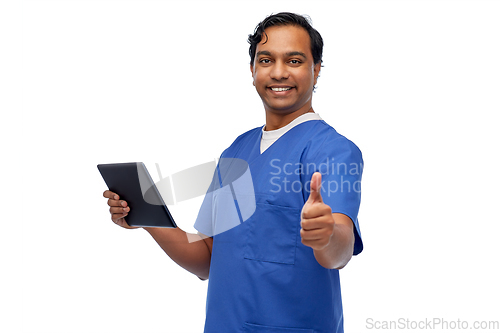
284, 72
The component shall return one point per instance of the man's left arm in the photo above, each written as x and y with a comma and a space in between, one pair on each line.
330, 235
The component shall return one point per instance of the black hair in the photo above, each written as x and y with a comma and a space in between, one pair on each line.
285, 18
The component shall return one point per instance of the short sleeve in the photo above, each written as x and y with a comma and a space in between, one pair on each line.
230, 199
340, 163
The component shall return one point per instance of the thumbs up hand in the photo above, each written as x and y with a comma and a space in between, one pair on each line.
316, 218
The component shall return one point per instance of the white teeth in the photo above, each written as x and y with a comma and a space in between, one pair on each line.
280, 89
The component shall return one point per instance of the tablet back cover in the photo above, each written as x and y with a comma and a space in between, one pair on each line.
146, 209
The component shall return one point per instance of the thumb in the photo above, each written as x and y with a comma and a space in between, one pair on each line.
315, 194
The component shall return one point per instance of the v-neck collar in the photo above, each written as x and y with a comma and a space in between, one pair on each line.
274, 135
254, 155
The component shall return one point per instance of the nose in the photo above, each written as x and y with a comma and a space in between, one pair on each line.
279, 71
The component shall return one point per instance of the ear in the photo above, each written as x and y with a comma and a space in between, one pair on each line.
317, 69
251, 70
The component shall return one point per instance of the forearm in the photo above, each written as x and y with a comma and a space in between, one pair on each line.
339, 250
194, 256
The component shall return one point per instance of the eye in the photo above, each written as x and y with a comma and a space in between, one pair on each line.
265, 61
295, 61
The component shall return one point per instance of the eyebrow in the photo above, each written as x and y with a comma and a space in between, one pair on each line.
288, 54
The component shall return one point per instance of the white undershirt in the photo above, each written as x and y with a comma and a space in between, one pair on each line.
269, 137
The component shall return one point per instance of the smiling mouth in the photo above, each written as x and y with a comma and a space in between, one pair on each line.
281, 89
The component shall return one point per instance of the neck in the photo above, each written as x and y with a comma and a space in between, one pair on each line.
275, 121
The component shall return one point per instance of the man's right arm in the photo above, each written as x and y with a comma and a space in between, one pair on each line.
190, 251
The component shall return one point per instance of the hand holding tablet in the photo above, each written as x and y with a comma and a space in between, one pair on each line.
118, 208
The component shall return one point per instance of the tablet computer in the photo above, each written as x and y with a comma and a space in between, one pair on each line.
133, 183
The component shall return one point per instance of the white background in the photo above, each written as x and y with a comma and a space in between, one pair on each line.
415, 84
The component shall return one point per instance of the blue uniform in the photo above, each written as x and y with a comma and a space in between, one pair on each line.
262, 278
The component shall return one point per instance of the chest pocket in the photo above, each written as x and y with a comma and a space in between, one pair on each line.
272, 234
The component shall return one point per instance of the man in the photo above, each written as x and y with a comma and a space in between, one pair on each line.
306, 180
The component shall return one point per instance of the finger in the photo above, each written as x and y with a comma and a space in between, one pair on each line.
110, 195
122, 223
315, 194
312, 235
116, 217
317, 223
117, 203
316, 244
317, 210
119, 210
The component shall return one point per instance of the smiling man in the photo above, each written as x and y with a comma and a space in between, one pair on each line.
284, 74
279, 270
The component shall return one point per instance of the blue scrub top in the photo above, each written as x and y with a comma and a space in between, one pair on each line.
262, 278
